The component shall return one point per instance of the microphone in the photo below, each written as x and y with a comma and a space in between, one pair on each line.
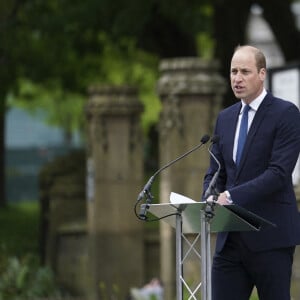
146, 190
211, 187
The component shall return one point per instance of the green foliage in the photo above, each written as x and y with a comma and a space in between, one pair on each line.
125, 63
107, 293
20, 229
206, 45
64, 47
21, 276
22, 279
117, 64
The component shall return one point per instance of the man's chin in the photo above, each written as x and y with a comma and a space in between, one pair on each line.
239, 95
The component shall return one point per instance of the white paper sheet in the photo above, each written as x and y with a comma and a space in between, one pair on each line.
178, 199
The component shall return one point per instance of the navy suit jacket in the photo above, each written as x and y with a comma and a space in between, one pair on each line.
262, 183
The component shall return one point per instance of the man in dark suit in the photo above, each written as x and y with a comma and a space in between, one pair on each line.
256, 174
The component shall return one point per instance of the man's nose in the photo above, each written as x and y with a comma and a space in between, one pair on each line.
238, 77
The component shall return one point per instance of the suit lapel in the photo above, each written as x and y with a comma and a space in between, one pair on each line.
256, 123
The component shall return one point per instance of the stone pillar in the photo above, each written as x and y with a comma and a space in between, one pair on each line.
190, 90
114, 178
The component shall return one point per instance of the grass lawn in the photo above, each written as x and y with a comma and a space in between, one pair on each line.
19, 229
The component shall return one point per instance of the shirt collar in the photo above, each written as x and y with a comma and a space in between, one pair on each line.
256, 102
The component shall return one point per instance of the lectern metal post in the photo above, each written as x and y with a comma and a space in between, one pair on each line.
205, 258
193, 218
179, 266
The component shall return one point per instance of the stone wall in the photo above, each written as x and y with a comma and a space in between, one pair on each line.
63, 220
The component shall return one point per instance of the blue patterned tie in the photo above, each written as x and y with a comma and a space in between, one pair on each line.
242, 134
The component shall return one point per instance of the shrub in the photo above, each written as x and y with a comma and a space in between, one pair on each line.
23, 278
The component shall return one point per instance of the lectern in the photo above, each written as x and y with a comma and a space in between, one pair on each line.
201, 218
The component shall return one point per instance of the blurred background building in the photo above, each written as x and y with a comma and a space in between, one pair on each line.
31, 143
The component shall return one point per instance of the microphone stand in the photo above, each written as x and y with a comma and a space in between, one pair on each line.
210, 205
147, 188
212, 189
149, 198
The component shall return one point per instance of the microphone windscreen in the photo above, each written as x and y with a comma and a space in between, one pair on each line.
215, 139
205, 139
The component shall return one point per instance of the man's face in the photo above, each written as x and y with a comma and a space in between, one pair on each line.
246, 81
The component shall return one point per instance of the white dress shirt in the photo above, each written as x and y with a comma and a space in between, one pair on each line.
254, 107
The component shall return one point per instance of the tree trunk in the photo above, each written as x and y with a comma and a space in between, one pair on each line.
165, 37
230, 21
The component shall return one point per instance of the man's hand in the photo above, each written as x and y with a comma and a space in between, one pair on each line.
222, 199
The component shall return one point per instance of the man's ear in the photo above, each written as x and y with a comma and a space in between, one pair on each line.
262, 74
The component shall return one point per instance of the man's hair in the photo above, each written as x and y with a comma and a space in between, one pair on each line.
258, 54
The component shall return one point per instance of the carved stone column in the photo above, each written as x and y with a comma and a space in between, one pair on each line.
114, 176
190, 90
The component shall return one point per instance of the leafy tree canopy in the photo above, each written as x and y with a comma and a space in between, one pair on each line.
58, 48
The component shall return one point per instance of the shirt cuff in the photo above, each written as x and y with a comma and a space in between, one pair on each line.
228, 197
